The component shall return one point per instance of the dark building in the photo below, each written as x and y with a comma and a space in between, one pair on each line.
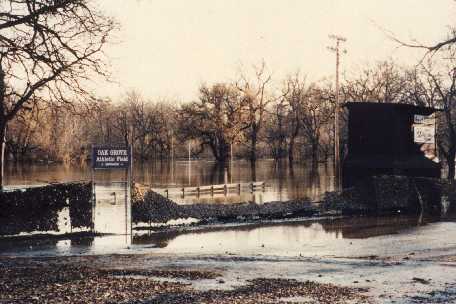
381, 141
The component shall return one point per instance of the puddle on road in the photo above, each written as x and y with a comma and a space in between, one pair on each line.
347, 237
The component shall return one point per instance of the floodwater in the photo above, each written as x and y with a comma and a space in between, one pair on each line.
336, 237
282, 181
112, 211
331, 237
384, 254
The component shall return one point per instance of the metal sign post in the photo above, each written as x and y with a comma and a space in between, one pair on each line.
114, 157
94, 198
130, 188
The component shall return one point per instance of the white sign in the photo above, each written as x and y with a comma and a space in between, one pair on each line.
424, 120
424, 134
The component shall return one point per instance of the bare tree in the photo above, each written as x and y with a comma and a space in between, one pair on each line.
47, 50
256, 97
99, 123
445, 44
22, 136
317, 114
440, 90
164, 118
140, 122
216, 120
382, 83
276, 129
419, 89
121, 123
152, 125
294, 93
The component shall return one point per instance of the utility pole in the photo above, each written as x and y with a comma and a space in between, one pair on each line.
337, 167
172, 148
189, 162
172, 158
231, 163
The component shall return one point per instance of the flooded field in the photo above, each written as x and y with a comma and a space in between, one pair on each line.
391, 259
282, 181
376, 236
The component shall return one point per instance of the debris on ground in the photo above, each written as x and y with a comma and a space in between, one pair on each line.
53, 281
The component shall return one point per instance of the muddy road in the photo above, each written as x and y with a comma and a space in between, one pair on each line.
395, 259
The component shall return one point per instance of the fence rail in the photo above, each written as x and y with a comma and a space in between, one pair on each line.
211, 189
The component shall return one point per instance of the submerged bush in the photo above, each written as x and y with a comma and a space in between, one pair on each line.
38, 208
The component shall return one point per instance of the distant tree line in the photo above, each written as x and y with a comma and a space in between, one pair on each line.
51, 50
251, 117
245, 116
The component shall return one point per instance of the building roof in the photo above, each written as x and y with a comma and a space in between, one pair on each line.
399, 106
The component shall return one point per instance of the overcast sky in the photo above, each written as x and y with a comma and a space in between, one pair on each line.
169, 47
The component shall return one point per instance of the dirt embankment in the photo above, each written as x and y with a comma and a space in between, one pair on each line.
382, 195
154, 207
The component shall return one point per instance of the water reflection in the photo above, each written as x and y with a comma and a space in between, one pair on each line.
338, 237
306, 231
283, 181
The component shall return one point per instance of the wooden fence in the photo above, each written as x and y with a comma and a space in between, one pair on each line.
212, 189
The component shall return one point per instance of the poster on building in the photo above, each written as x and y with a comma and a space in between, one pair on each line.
424, 134
428, 120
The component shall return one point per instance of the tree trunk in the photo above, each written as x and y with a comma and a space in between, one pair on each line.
2, 151
253, 171
3, 123
142, 150
291, 151
220, 150
223, 153
253, 146
314, 147
451, 164
292, 142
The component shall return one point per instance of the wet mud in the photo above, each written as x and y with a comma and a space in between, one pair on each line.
151, 278
74, 282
